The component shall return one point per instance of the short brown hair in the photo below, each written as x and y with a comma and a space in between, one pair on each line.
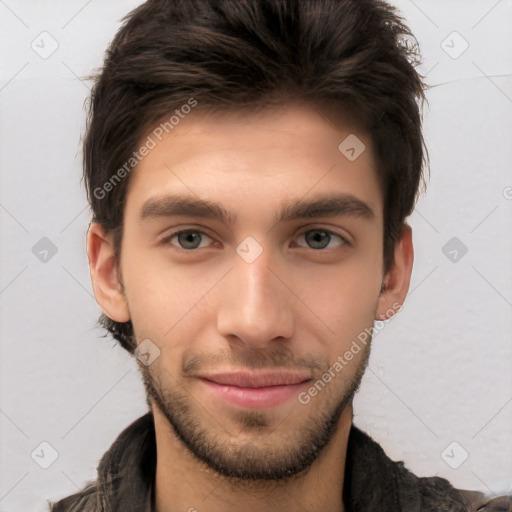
357, 56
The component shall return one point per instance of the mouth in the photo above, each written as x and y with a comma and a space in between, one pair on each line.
255, 390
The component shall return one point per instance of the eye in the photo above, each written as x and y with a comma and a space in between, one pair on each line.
187, 239
190, 239
321, 239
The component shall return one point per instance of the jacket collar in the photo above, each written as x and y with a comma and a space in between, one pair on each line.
126, 472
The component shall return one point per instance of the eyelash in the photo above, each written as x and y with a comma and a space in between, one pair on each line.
167, 239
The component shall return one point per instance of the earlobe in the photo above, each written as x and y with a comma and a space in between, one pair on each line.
108, 290
396, 282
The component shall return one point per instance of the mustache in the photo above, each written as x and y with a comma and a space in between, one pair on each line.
280, 358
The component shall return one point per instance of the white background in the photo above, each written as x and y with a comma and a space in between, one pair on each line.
439, 372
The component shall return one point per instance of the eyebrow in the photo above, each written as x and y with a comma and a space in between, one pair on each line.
324, 206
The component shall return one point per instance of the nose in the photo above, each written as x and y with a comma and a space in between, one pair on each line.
255, 305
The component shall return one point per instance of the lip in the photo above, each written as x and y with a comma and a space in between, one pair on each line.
255, 390
262, 379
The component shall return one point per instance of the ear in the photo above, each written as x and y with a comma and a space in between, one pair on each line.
107, 288
396, 281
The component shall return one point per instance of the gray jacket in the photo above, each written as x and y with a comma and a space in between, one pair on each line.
373, 482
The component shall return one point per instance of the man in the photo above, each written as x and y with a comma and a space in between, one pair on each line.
250, 165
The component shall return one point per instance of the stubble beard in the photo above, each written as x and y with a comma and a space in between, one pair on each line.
270, 455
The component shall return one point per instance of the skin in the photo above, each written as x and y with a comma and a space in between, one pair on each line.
298, 305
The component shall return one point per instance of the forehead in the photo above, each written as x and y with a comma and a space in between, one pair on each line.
293, 127
286, 152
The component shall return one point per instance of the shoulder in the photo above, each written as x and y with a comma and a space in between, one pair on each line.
474, 499
82, 501
390, 481
438, 495
435, 487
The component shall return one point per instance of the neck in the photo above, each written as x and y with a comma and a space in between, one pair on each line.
183, 483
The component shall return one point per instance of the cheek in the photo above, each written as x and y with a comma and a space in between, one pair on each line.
150, 292
344, 297
168, 304
158, 304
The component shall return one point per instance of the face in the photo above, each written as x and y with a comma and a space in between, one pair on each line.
252, 259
